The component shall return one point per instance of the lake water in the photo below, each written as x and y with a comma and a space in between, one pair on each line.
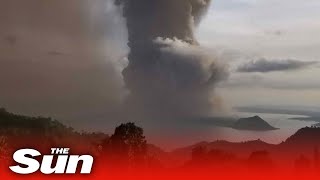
175, 137
287, 127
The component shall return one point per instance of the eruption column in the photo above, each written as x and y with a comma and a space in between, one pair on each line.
169, 74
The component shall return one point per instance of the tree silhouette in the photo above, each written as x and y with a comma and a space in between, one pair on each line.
260, 160
302, 163
199, 154
316, 157
127, 146
3, 150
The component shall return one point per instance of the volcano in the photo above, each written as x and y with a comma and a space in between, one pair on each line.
254, 123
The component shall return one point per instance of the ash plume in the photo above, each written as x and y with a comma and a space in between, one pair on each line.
59, 59
168, 74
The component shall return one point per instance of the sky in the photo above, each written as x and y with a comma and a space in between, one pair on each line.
283, 32
64, 59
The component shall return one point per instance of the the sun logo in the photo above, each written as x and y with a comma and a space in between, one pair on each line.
65, 163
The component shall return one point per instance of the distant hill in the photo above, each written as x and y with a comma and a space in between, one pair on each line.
307, 137
302, 142
241, 149
26, 131
20, 125
255, 123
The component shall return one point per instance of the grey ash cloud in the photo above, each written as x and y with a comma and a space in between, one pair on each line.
168, 74
56, 53
10, 39
272, 65
59, 58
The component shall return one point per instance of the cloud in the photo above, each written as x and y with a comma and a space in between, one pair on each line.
271, 81
274, 32
264, 65
60, 58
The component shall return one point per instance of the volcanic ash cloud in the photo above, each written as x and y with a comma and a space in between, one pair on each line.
169, 74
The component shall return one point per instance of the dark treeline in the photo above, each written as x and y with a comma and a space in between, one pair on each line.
126, 147
18, 131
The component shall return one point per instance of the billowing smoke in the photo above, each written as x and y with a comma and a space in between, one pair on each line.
60, 59
169, 74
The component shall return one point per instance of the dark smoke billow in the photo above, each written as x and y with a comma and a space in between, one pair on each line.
169, 74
